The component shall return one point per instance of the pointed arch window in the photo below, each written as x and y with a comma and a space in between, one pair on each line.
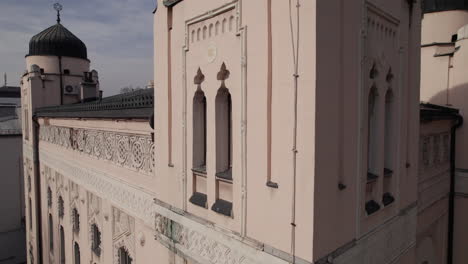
372, 130
30, 215
62, 245
96, 240
389, 131
76, 220
61, 208
224, 134
49, 197
77, 253
389, 148
199, 126
51, 234
124, 257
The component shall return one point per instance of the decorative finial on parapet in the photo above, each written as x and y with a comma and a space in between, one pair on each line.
58, 7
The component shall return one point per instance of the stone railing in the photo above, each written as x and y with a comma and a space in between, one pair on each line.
132, 151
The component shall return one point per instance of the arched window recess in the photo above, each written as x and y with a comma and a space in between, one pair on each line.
223, 106
199, 126
124, 256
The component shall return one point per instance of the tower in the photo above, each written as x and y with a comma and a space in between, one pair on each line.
57, 73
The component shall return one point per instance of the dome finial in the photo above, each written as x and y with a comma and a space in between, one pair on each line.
58, 7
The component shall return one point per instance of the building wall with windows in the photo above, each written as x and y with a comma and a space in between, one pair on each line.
12, 189
443, 82
280, 132
349, 51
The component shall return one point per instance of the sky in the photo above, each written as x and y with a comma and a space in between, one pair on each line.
117, 33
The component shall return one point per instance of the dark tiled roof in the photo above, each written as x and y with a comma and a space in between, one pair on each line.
429, 6
10, 91
171, 2
138, 104
432, 112
57, 41
7, 111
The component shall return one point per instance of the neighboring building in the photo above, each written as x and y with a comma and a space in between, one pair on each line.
444, 81
12, 222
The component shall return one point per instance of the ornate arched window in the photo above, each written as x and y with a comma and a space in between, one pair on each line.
30, 214
76, 220
124, 257
49, 197
51, 234
77, 254
96, 240
61, 209
62, 245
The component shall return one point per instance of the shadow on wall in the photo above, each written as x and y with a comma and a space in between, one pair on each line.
457, 97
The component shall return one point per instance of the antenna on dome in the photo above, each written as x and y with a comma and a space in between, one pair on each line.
58, 7
5, 78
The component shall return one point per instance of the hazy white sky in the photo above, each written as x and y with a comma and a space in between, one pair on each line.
117, 33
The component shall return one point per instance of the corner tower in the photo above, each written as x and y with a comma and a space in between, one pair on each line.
57, 73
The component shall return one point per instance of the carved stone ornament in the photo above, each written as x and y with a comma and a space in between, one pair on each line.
131, 151
123, 229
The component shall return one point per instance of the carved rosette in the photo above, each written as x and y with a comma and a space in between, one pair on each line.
131, 151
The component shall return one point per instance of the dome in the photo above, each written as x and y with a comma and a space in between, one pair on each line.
429, 6
57, 41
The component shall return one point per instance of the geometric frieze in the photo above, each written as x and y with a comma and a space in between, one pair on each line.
131, 151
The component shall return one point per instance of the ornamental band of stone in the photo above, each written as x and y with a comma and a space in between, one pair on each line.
131, 151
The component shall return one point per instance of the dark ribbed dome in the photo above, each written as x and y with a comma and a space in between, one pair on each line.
57, 41
430, 6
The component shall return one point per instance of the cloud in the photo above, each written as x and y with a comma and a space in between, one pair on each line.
117, 33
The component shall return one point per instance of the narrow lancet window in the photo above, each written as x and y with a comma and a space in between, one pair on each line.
77, 252
199, 126
62, 245
372, 133
223, 134
51, 234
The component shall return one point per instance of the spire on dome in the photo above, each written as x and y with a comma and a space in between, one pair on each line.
58, 7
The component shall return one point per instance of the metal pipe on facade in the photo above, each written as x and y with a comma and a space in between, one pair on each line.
295, 49
451, 220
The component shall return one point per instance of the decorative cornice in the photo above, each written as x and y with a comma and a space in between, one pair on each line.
171, 3
131, 151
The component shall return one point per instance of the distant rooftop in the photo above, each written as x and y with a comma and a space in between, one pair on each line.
10, 92
138, 104
429, 6
431, 112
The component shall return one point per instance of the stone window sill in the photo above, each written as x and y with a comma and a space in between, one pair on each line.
199, 199
225, 175
222, 207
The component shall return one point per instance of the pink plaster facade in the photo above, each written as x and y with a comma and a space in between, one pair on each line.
281, 172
